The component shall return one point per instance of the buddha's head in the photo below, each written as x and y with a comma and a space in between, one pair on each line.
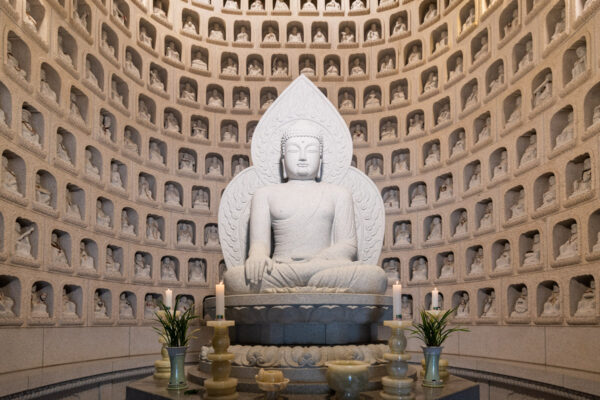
302, 151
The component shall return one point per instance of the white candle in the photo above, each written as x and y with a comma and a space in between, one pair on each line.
169, 298
435, 299
220, 300
397, 300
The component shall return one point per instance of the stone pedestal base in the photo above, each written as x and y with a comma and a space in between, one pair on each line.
221, 390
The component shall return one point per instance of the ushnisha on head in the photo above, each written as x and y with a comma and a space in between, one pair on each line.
302, 151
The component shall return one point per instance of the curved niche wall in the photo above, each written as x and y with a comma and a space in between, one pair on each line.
122, 121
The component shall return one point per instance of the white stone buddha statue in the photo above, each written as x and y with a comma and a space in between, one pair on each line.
167, 270
153, 229
199, 129
3, 122
372, 100
115, 175
416, 125
172, 196
230, 67
552, 303
23, 241
229, 134
281, 5
398, 94
197, 271
13, 62
459, 145
155, 80
6, 306
549, 196
503, 260
125, 308
39, 307
112, 266
501, 168
400, 163
596, 247
402, 234
188, 92
150, 307
184, 303
211, 237
187, 162
387, 64
580, 63
473, 97
99, 307
499, 80
214, 167
568, 132
518, 208
130, 66
141, 269
90, 76
267, 100
560, 25
414, 56
144, 37
295, 36
129, 143
155, 154
461, 226
307, 68
171, 121
270, 35
435, 230
215, 99
347, 101
144, 112
106, 45
144, 190
489, 306
475, 179
469, 20
242, 36
399, 26
458, 68
42, 195
72, 207
190, 27
521, 307
543, 91
372, 33
570, 247
332, 5
447, 270
347, 35
102, 218
199, 61
126, 225
486, 220
406, 307
430, 14
483, 49
158, 9
185, 234
388, 130
309, 6
527, 57
357, 67
532, 256
530, 152
59, 256
240, 164
446, 189
69, 307
586, 306
358, 133
419, 269
45, 88
319, 36
431, 83
257, 5
391, 198
86, 261
584, 183
433, 155
463, 310
216, 32
201, 199
28, 130
419, 196
442, 41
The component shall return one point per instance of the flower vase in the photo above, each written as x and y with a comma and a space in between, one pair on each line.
177, 357
432, 366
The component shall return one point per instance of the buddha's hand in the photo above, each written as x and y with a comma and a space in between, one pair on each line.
258, 260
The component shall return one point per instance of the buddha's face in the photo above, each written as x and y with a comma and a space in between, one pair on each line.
302, 157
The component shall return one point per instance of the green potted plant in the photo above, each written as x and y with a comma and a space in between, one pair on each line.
433, 331
175, 332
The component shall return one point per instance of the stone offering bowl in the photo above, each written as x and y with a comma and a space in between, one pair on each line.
348, 378
271, 382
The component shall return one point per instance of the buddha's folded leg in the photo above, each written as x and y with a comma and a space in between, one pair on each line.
356, 278
283, 275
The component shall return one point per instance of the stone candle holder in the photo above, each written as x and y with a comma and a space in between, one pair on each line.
396, 385
220, 386
348, 378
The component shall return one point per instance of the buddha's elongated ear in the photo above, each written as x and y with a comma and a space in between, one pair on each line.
320, 170
283, 171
